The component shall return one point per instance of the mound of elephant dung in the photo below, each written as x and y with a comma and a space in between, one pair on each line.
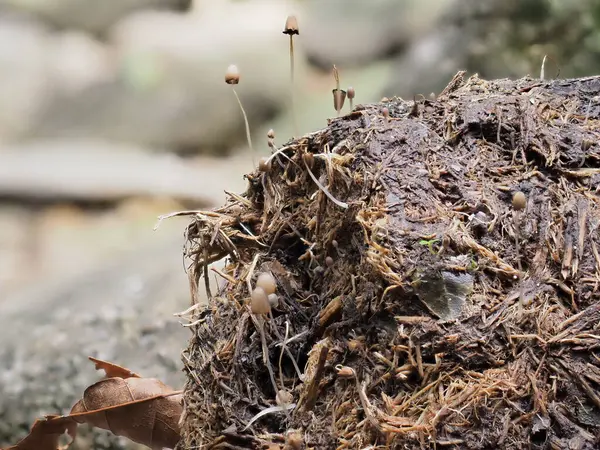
434, 268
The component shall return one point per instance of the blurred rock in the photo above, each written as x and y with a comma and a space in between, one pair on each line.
167, 89
104, 171
24, 73
496, 39
79, 62
428, 64
354, 32
89, 15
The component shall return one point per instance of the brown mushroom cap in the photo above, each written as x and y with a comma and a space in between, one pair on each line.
267, 282
351, 92
232, 75
291, 26
519, 201
338, 99
259, 302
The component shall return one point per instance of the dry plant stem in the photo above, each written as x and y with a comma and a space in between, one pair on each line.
264, 412
338, 92
287, 330
251, 273
284, 343
542, 70
246, 123
280, 152
260, 325
325, 191
313, 390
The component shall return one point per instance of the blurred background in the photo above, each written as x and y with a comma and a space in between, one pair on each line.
115, 111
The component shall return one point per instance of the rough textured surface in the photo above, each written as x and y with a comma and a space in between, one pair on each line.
428, 231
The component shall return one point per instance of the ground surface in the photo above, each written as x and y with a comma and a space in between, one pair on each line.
423, 304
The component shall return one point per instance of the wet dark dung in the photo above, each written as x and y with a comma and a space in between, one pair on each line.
422, 309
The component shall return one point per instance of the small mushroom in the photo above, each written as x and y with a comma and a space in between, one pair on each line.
232, 77
291, 29
259, 302
267, 282
519, 201
351, 93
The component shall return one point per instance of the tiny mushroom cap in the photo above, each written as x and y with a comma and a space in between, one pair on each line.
271, 134
291, 26
293, 440
309, 159
339, 96
345, 371
266, 282
519, 201
264, 165
386, 113
283, 397
329, 261
232, 75
259, 302
351, 92
273, 300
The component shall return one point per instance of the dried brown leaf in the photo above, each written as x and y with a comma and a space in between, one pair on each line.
144, 410
112, 370
46, 433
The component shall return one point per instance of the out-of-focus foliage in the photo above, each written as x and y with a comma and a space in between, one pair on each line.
510, 38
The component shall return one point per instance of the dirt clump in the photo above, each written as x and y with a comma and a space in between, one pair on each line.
417, 304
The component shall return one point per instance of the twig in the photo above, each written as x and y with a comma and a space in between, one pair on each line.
313, 389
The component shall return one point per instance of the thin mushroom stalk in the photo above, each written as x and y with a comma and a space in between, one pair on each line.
291, 29
232, 77
519, 203
351, 93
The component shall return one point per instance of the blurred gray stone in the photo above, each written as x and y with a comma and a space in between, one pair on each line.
354, 32
428, 64
95, 16
104, 171
167, 87
79, 62
498, 39
25, 83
